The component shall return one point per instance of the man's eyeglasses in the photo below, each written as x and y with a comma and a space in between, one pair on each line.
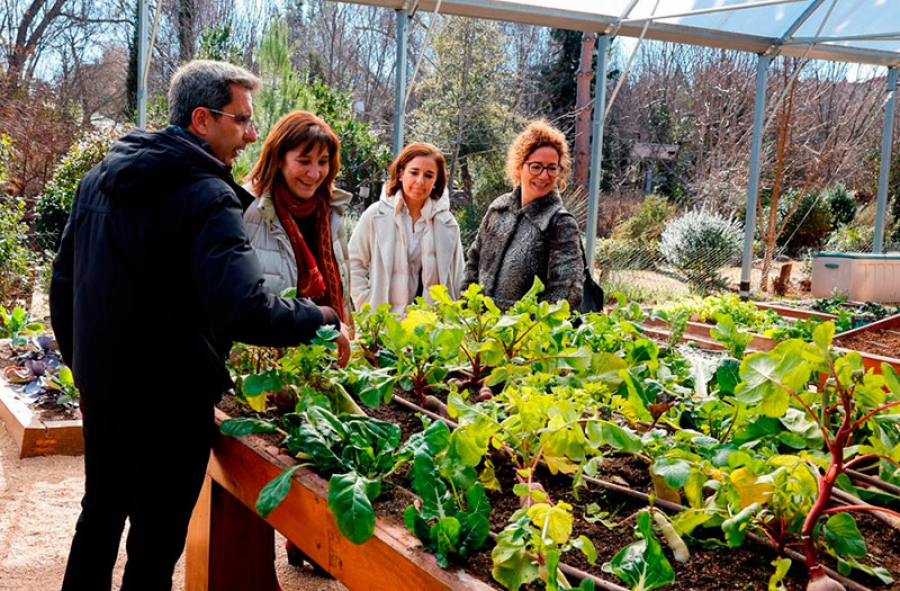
246, 120
536, 168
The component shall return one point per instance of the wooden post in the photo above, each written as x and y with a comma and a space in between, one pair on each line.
229, 547
782, 284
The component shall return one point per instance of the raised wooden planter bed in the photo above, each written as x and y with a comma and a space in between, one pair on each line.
791, 312
871, 359
230, 547
36, 437
698, 333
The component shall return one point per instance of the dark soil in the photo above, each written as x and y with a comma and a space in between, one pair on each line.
885, 343
711, 567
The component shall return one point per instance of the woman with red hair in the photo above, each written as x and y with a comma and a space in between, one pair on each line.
296, 223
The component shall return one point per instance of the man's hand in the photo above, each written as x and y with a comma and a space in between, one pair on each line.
343, 344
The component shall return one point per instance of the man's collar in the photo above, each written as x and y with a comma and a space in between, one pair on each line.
184, 133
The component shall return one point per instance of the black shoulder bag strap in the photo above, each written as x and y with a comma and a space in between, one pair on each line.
592, 296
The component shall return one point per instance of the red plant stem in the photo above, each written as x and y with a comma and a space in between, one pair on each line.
871, 508
826, 484
865, 457
872, 413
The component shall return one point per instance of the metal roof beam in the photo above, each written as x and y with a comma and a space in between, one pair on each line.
808, 12
877, 37
677, 33
713, 10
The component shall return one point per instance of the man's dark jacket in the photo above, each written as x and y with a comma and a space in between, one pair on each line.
154, 277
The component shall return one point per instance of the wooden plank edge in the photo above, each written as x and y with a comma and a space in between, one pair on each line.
791, 312
883, 324
34, 437
392, 559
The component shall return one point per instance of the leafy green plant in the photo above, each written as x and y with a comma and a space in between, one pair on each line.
844, 407
358, 451
530, 547
451, 516
302, 377
809, 224
642, 564
842, 205
17, 324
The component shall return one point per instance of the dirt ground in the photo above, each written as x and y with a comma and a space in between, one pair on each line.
39, 503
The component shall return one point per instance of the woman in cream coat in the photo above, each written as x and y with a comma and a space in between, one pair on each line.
408, 241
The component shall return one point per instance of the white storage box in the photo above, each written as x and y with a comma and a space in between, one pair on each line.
857, 276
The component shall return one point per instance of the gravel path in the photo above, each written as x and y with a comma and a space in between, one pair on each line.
39, 503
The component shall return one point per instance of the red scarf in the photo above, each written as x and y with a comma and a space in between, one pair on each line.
321, 286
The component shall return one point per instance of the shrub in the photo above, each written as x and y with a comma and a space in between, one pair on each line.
16, 258
55, 202
611, 254
851, 238
699, 244
842, 205
649, 222
809, 225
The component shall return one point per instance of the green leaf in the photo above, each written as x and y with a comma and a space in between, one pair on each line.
782, 565
642, 564
477, 501
765, 377
843, 535
556, 520
374, 388
247, 426
428, 486
419, 527
349, 499
274, 492
446, 532
728, 376
674, 471
799, 423
513, 567
602, 433
475, 534
823, 335
605, 368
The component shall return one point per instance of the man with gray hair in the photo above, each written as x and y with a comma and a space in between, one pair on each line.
153, 281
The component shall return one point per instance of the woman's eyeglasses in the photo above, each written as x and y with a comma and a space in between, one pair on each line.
536, 168
246, 120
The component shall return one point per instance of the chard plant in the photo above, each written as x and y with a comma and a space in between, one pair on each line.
17, 325
642, 564
451, 515
530, 547
294, 379
844, 401
359, 453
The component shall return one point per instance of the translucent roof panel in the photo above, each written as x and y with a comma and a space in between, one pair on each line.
861, 31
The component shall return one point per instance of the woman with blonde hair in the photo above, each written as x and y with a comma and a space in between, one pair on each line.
296, 225
527, 233
408, 240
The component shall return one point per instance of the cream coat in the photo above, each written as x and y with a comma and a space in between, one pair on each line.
273, 248
374, 242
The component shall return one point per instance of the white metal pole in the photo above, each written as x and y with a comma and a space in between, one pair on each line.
759, 109
400, 84
596, 147
884, 171
143, 55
